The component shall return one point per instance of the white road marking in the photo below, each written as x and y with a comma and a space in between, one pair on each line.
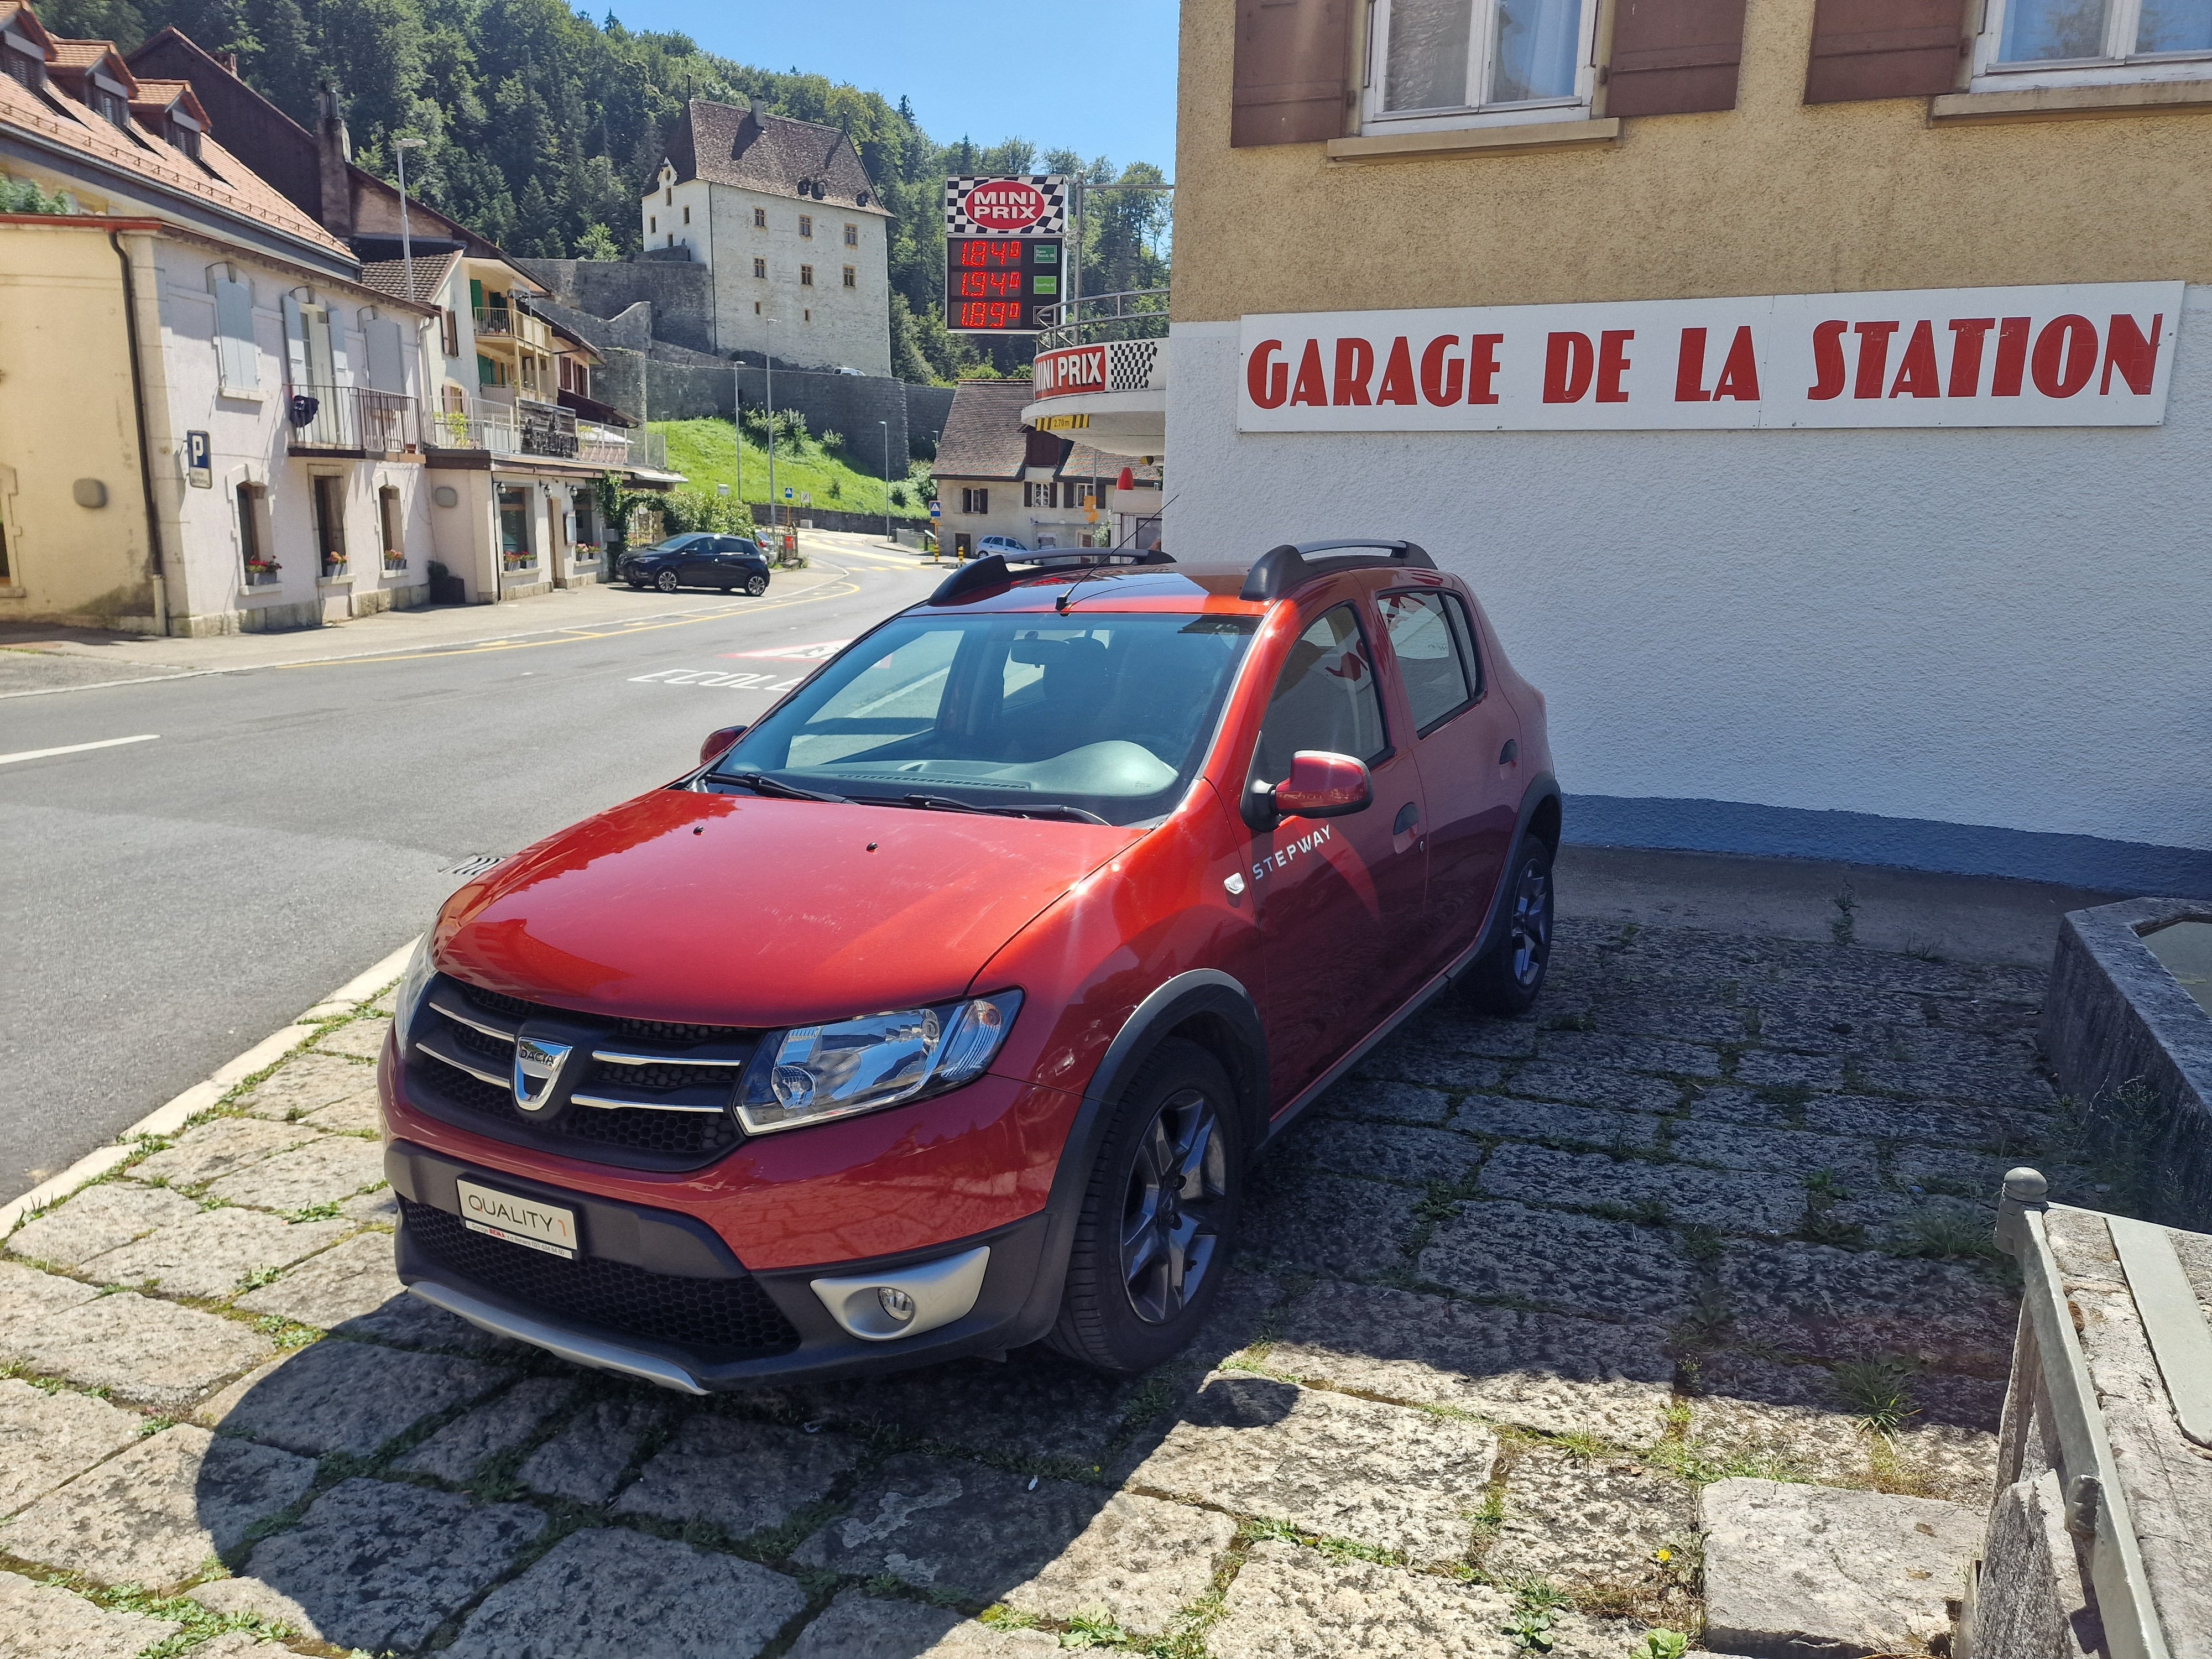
814, 653
713, 678
76, 748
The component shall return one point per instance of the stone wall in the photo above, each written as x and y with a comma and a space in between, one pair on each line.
683, 294
927, 409
848, 404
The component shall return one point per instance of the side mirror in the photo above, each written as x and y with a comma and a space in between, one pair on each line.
718, 743
1324, 785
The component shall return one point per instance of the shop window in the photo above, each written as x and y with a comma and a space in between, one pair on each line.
806, 224
852, 277
975, 500
1450, 62
389, 520
2057, 42
330, 522
806, 276
852, 236
760, 218
514, 550
760, 268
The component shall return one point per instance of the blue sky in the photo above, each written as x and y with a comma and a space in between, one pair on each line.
1098, 80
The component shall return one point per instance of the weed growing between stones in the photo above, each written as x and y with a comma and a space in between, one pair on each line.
1944, 1235
1877, 1392
1664, 1644
200, 1625
1537, 1603
1844, 928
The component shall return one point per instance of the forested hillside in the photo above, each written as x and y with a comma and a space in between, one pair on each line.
543, 127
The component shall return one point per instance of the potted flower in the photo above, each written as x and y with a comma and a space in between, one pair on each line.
260, 571
334, 564
394, 559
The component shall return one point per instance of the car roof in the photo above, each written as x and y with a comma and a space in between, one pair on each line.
1209, 588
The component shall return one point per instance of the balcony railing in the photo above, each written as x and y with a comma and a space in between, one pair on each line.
352, 417
1138, 314
528, 428
602, 445
494, 320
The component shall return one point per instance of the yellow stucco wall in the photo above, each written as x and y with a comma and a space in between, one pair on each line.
1774, 197
65, 414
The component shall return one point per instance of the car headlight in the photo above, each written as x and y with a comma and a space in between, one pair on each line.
812, 1073
407, 1002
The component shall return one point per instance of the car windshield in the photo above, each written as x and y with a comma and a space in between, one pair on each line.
675, 544
1105, 717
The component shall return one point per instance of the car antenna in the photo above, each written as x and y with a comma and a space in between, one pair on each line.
1068, 593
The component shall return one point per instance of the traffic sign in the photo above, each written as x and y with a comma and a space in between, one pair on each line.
935, 511
787, 492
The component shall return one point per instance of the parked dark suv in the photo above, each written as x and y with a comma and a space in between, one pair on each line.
698, 558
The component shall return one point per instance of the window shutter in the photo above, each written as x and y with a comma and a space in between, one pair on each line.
1884, 48
1673, 57
238, 363
387, 372
1290, 77
295, 343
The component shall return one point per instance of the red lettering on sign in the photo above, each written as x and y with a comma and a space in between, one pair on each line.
1442, 374
1612, 364
1690, 368
1874, 357
2065, 356
1568, 363
2012, 357
2127, 351
1828, 362
1355, 362
1482, 366
1311, 388
1006, 205
1740, 373
1966, 353
1917, 375
1267, 381
1397, 385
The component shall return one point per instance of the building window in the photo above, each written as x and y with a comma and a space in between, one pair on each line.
330, 522
653, 224
185, 136
687, 213
514, 550
760, 268
760, 218
852, 277
756, 311
975, 500
806, 316
806, 224
450, 332
852, 236
806, 276
27, 71
395, 535
1441, 62
2095, 40
254, 556
671, 201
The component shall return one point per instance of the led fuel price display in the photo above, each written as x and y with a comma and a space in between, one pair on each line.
998, 284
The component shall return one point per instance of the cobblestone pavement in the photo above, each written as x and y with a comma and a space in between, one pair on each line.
1509, 1298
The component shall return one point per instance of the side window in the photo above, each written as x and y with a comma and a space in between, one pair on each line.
1325, 698
1429, 637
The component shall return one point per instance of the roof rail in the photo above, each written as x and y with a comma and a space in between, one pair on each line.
1280, 569
995, 570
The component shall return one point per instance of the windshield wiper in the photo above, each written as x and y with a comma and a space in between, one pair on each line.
946, 803
760, 784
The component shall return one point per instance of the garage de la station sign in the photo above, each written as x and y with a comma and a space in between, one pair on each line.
2098, 354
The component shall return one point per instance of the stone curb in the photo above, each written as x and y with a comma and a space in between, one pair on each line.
166, 1120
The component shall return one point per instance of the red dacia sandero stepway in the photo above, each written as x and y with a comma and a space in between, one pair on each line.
945, 1010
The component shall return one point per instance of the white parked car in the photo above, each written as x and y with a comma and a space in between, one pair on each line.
1005, 546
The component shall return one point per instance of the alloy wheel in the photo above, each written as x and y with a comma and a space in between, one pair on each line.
668, 583
1169, 1213
1530, 940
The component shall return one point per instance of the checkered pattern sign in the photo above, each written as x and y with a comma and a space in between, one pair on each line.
1053, 187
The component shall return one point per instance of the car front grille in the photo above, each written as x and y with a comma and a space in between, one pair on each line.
651, 1094
722, 1319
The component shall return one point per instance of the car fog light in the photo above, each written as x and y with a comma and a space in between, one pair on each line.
896, 1303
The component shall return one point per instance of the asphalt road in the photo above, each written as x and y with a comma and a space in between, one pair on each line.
169, 903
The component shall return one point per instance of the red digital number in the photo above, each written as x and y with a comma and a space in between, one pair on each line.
977, 253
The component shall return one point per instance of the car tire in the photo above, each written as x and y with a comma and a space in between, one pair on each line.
755, 586
1510, 977
666, 581
1159, 1214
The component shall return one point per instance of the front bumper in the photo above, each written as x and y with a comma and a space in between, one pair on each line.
650, 1284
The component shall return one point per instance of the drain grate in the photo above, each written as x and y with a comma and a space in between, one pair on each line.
475, 865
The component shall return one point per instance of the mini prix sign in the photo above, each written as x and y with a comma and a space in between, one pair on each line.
2077, 355
1068, 370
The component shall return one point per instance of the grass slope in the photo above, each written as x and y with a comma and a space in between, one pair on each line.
704, 451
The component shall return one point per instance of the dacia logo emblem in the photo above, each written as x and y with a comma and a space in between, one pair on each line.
537, 1063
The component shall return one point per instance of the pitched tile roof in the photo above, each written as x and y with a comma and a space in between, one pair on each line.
431, 269
731, 144
223, 182
156, 95
984, 437
90, 54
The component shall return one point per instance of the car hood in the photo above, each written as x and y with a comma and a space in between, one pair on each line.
740, 910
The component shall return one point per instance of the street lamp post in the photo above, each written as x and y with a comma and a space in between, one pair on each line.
406, 237
768, 359
886, 426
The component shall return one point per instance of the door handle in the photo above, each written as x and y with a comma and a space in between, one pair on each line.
1408, 816
1511, 753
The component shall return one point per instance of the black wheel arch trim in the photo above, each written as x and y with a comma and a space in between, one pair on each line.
1205, 993
1542, 788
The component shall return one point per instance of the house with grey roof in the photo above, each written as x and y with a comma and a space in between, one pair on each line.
784, 215
997, 477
